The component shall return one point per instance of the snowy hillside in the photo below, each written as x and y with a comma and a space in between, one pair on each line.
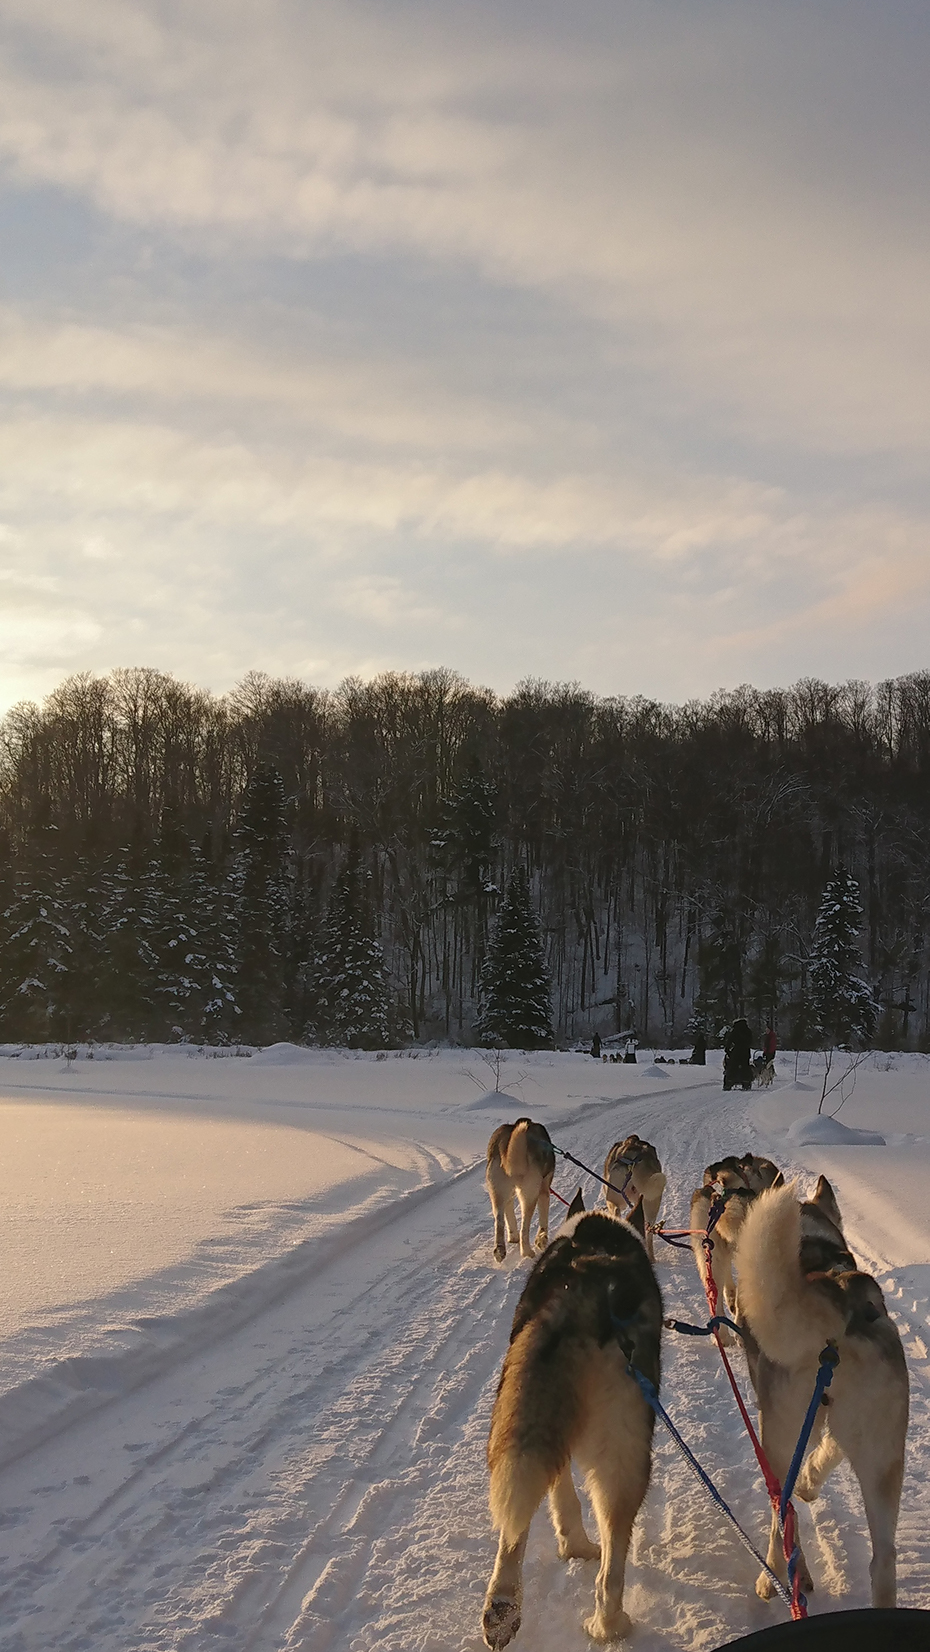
252, 1329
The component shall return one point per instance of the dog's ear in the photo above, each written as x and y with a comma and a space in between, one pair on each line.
577, 1205
779, 1180
825, 1200
637, 1218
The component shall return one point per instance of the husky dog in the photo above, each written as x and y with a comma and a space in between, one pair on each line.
759, 1173
765, 1074
632, 1167
800, 1288
737, 1182
590, 1306
521, 1161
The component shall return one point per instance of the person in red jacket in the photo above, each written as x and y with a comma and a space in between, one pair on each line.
769, 1046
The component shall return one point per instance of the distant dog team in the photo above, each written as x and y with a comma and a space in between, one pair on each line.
591, 1313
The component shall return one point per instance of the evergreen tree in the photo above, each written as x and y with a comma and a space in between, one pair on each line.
841, 998
191, 940
464, 844
37, 956
349, 989
262, 903
128, 918
515, 990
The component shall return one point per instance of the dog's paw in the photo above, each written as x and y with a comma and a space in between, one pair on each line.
765, 1588
578, 1547
803, 1489
500, 1622
500, 1251
602, 1630
527, 1255
542, 1239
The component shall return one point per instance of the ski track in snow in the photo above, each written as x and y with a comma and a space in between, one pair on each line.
315, 1480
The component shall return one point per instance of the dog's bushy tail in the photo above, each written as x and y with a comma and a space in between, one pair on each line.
532, 1424
789, 1317
515, 1158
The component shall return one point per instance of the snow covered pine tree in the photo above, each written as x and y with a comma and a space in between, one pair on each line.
261, 874
349, 991
515, 989
841, 998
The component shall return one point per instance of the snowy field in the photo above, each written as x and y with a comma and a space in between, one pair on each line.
252, 1330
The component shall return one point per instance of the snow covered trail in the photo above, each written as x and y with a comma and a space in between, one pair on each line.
316, 1478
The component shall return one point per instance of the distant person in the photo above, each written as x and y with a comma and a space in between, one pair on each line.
698, 1056
769, 1046
596, 1046
629, 1054
737, 1056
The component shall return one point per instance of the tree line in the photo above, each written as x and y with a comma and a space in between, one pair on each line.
175, 863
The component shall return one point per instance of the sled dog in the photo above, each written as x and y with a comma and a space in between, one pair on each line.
590, 1306
521, 1161
765, 1074
737, 1181
632, 1167
800, 1288
760, 1173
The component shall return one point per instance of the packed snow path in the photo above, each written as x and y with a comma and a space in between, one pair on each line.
316, 1479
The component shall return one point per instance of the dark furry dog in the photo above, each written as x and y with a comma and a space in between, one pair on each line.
591, 1305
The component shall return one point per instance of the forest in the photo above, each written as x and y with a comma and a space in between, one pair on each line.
181, 864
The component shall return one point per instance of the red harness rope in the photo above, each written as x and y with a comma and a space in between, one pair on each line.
772, 1486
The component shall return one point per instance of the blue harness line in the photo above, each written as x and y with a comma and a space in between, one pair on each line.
829, 1360
650, 1395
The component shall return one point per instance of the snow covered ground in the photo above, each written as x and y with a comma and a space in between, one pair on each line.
252, 1330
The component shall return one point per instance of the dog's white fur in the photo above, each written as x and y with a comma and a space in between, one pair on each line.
792, 1315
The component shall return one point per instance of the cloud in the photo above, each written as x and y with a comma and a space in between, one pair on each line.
588, 344
656, 178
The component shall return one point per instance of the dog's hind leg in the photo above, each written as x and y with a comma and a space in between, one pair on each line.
880, 1480
542, 1209
652, 1200
574, 1542
617, 1489
504, 1598
500, 1194
527, 1206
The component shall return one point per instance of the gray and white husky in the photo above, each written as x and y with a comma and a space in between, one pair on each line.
591, 1305
737, 1181
632, 1168
800, 1288
520, 1161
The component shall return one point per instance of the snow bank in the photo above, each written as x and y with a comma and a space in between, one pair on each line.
499, 1099
822, 1131
283, 1055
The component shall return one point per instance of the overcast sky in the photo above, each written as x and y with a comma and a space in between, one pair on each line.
580, 341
